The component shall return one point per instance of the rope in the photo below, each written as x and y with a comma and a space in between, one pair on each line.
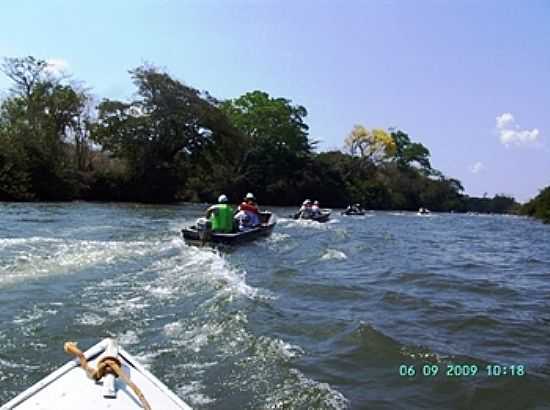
106, 365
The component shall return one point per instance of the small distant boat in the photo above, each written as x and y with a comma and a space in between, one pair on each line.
353, 213
70, 387
423, 211
353, 210
199, 235
324, 216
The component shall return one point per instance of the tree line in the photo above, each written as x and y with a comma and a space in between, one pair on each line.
173, 143
539, 206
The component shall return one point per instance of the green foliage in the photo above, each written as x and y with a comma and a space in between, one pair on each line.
15, 184
499, 204
408, 153
539, 207
167, 126
173, 142
37, 120
276, 149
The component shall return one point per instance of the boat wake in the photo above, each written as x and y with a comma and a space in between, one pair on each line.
333, 254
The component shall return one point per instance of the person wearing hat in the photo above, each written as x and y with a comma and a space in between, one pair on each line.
220, 215
305, 211
250, 209
315, 210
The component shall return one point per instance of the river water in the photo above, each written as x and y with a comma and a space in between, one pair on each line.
324, 316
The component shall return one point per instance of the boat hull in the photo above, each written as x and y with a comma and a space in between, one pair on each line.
324, 217
191, 236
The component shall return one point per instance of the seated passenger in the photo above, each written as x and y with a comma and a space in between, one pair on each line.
243, 221
305, 211
315, 210
221, 216
250, 207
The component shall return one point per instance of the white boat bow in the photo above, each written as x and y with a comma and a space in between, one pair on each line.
69, 387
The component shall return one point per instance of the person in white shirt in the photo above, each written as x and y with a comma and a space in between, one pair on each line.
315, 208
305, 211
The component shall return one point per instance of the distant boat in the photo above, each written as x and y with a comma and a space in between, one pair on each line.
324, 216
69, 387
423, 211
353, 213
353, 210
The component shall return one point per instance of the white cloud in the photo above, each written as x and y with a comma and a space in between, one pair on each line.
510, 132
56, 66
477, 167
504, 120
519, 137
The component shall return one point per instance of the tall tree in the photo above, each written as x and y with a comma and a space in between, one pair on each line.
408, 152
374, 145
539, 207
277, 146
25, 73
39, 116
160, 132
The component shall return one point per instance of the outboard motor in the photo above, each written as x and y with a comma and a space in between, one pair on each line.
204, 229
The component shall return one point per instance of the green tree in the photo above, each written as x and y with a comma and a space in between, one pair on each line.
408, 152
39, 117
161, 134
277, 147
539, 207
15, 181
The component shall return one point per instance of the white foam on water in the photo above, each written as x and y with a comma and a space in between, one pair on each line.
162, 292
90, 319
333, 254
194, 338
191, 265
278, 237
105, 283
192, 392
284, 349
306, 223
198, 366
66, 256
14, 365
299, 390
146, 359
335, 399
130, 337
34, 315
9, 242
120, 307
172, 329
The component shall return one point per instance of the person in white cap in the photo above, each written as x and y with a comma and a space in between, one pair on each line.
250, 208
221, 215
305, 211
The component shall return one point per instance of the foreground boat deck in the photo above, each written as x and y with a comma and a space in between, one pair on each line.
69, 388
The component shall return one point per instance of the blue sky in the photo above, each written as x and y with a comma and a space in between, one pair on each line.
441, 70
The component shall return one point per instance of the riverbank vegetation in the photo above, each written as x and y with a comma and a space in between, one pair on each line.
539, 207
176, 143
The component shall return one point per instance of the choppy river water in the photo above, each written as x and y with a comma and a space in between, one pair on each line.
330, 316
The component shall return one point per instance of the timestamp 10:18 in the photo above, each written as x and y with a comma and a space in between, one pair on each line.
462, 370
